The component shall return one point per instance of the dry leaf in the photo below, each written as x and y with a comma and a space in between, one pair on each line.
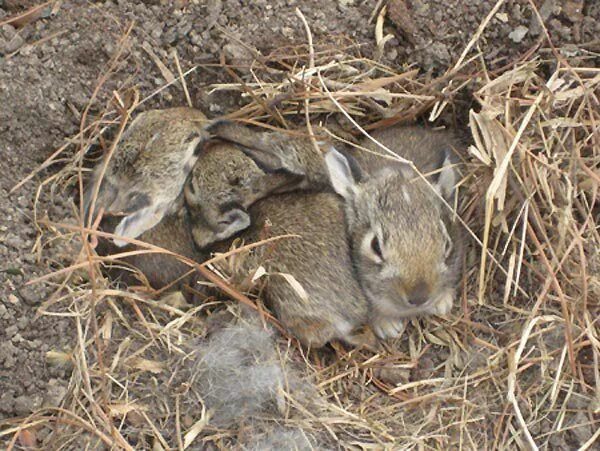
260, 271
27, 438
195, 430
298, 288
122, 409
147, 365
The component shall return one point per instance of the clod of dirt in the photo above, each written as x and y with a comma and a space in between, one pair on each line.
401, 16
518, 34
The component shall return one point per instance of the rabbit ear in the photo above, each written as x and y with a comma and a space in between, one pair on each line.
446, 181
269, 161
142, 212
340, 173
262, 147
132, 226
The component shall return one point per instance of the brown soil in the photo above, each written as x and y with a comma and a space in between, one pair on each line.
50, 67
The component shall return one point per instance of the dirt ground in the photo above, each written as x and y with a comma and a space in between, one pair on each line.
50, 67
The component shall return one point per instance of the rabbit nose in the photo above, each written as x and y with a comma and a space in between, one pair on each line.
419, 295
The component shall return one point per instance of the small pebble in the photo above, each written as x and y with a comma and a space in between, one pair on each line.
518, 33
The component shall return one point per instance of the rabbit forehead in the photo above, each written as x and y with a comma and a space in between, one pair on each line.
394, 203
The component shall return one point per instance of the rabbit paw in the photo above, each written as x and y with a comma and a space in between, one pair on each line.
388, 327
444, 305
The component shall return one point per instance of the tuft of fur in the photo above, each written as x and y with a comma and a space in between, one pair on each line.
282, 439
239, 375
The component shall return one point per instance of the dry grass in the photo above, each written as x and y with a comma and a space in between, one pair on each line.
515, 366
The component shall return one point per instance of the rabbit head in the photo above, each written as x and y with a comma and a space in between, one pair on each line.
223, 184
146, 174
240, 166
400, 235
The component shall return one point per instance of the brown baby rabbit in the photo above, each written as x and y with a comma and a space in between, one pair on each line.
328, 303
145, 176
141, 196
223, 184
405, 245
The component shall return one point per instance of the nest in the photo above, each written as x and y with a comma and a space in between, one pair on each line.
516, 364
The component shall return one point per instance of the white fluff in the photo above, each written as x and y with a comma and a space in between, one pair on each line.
239, 375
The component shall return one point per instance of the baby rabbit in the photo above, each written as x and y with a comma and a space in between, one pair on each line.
141, 190
145, 176
405, 246
328, 303
223, 184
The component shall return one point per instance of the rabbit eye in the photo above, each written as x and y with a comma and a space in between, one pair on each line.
191, 187
191, 137
371, 247
137, 201
376, 247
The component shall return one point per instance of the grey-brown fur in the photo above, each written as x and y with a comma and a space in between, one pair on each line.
418, 237
385, 201
223, 184
160, 270
320, 261
146, 173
